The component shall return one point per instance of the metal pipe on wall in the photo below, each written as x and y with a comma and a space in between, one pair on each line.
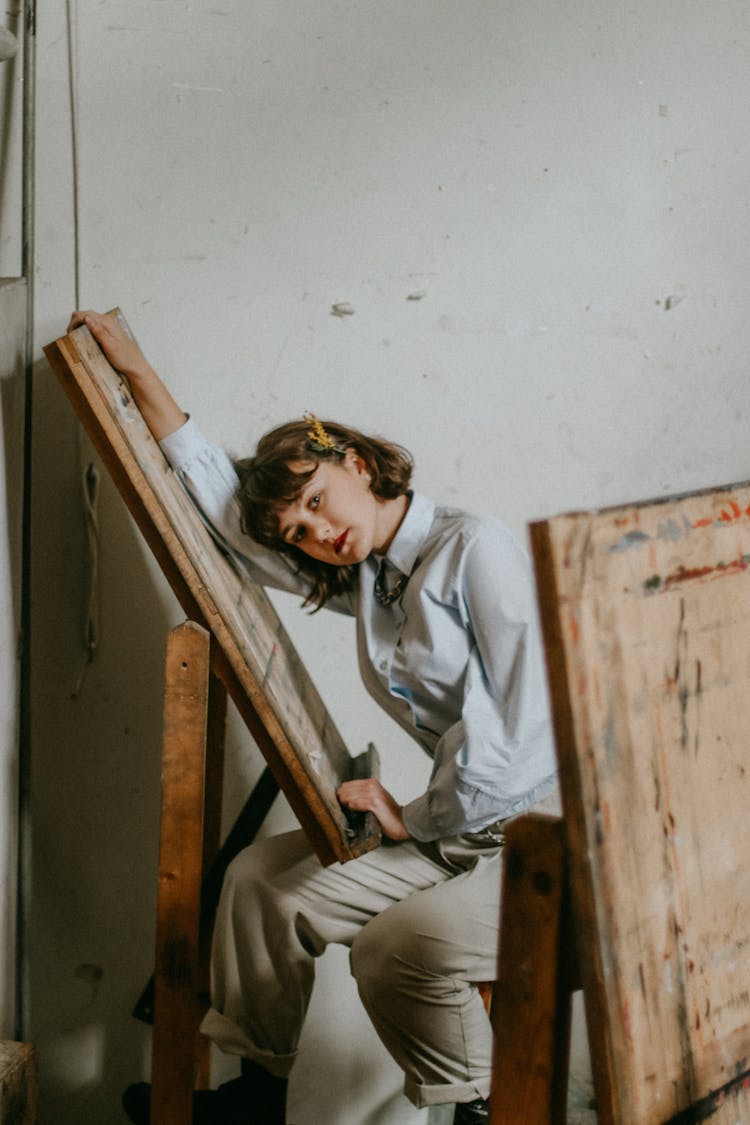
23, 916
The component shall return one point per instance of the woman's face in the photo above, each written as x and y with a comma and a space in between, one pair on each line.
336, 518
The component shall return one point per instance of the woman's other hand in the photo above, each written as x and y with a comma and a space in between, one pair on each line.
370, 796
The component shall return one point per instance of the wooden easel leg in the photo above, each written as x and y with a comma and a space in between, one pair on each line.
177, 982
242, 833
214, 778
531, 1004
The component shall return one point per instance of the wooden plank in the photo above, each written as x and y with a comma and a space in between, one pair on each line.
253, 654
531, 1003
242, 834
646, 615
18, 1083
178, 939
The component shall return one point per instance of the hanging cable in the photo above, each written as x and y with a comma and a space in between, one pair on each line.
89, 472
71, 27
24, 877
90, 480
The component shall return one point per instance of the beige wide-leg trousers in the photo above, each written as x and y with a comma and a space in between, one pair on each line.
421, 921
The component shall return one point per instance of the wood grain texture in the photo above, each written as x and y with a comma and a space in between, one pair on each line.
177, 975
646, 616
253, 654
18, 1083
531, 1001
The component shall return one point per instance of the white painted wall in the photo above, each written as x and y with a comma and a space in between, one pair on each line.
11, 159
539, 214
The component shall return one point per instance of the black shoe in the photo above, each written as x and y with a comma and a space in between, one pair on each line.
229, 1105
472, 1113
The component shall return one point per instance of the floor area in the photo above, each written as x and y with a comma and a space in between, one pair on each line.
580, 1086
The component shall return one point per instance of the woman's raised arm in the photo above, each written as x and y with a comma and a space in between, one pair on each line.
161, 413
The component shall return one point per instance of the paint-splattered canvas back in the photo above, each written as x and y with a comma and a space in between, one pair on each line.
646, 615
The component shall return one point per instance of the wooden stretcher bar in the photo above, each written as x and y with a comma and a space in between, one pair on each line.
251, 652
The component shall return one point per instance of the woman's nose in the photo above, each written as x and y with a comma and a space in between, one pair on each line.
321, 529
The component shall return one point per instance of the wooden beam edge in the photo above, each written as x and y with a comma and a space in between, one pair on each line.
313, 814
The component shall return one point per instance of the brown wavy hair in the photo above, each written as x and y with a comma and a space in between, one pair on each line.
267, 485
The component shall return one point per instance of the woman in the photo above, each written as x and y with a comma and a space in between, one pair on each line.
448, 646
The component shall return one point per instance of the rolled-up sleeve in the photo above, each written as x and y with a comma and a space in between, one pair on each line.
209, 477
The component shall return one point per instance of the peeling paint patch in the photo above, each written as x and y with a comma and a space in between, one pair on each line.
342, 308
91, 975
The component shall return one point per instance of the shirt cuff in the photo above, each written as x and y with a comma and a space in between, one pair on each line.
181, 445
417, 819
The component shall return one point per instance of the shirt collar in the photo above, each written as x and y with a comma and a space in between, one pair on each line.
414, 528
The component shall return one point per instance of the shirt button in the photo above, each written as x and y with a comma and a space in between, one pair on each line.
383, 665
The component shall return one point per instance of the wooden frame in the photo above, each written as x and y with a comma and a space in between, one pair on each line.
531, 999
252, 653
646, 618
193, 699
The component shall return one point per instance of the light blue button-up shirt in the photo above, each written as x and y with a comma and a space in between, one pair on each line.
456, 660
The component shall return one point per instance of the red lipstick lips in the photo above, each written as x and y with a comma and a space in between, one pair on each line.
339, 543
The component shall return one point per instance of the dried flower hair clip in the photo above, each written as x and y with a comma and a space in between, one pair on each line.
318, 438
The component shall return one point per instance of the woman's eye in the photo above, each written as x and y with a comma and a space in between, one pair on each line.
314, 501
299, 535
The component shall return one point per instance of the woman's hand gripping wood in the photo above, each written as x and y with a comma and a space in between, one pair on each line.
162, 414
370, 796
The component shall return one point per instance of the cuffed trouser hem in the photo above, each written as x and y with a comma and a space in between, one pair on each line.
231, 1039
421, 1096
